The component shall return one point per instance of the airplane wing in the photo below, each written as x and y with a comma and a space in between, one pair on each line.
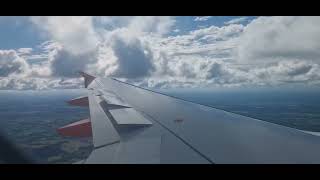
130, 124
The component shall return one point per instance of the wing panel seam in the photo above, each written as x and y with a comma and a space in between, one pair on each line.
184, 141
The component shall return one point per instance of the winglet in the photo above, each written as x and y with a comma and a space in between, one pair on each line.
87, 78
80, 101
77, 129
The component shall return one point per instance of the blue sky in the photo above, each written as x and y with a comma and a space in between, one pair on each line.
188, 23
160, 52
18, 32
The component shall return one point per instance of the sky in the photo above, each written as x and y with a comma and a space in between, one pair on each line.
41, 53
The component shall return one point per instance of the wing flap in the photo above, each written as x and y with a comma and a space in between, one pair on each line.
113, 99
102, 129
129, 116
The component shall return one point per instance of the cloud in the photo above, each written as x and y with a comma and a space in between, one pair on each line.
17, 73
176, 30
65, 64
267, 51
134, 60
212, 41
33, 83
239, 55
197, 59
12, 64
24, 51
236, 20
287, 72
136, 25
158, 25
76, 33
269, 39
214, 33
202, 18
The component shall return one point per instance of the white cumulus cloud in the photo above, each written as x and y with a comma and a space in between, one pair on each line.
12, 64
202, 18
237, 20
266, 51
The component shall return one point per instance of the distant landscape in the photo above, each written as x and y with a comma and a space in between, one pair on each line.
30, 118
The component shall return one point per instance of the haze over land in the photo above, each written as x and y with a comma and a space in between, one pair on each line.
30, 118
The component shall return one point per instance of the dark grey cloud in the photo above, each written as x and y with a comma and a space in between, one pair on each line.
186, 70
305, 68
215, 71
66, 64
134, 60
7, 69
11, 63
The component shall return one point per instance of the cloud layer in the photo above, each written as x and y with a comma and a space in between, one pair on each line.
266, 51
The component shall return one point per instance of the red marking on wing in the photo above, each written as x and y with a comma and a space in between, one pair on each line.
77, 129
83, 101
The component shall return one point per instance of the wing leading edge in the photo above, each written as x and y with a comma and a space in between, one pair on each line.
143, 126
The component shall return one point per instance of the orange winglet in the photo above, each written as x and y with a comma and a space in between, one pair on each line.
80, 101
77, 129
